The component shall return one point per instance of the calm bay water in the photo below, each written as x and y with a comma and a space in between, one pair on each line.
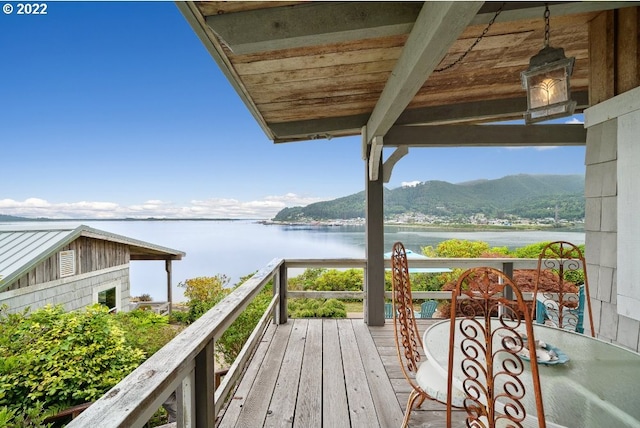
238, 248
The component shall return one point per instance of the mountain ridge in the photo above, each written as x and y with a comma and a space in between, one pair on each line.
521, 195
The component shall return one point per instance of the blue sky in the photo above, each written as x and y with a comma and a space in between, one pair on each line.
115, 109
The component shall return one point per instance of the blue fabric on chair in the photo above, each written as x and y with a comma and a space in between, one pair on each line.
579, 326
388, 310
428, 308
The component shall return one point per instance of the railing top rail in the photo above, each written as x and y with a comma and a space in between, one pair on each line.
519, 263
134, 400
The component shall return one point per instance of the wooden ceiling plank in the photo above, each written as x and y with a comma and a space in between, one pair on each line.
426, 46
290, 27
312, 61
486, 135
515, 11
342, 70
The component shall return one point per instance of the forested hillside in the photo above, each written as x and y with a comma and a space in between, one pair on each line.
526, 196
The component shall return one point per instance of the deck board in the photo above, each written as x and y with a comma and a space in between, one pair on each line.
334, 393
282, 409
255, 407
362, 410
328, 373
309, 406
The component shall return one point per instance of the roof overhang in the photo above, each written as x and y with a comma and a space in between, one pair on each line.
370, 67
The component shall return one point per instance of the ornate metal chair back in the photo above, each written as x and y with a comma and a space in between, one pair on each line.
407, 336
489, 337
561, 261
408, 340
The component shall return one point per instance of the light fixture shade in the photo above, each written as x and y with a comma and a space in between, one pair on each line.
547, 82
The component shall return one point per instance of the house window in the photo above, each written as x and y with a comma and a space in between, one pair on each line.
67, 263
108, 298
108, 295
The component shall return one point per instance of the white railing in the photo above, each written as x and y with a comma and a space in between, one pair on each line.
186, 364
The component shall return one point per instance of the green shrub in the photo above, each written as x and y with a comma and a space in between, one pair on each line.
316, 308
146, 330
61, 359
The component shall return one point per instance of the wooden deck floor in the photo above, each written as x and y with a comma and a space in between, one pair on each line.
326, 373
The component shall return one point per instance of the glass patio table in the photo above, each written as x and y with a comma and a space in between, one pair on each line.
599, 385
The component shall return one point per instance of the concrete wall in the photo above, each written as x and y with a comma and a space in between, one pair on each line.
72, 292
603, 210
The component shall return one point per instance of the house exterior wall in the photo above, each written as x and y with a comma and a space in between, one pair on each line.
91, 255
608, 130
72, 293
98, 263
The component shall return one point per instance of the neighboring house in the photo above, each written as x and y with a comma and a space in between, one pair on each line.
74, 267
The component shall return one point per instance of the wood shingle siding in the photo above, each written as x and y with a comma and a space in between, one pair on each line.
90, 255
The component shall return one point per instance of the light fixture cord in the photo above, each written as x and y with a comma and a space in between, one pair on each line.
461, 57
546, 24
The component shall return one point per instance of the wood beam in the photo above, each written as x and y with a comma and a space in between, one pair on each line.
438, 25
268, 29
289, 27
387, 166
375, 158
486, 135
477, 111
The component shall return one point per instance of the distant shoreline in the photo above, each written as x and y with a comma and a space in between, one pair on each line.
440, 227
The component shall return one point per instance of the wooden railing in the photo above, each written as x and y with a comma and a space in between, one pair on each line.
186, 364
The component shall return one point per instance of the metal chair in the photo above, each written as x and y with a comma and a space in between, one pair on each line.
428, 308
563, 305
407, 337
491, 335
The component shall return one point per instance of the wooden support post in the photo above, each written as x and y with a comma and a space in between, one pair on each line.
507, 268
627, 49
280, 286
167, 267
205, 387
614, 53
374, 247
185, 398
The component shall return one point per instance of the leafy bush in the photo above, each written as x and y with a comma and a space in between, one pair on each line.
316, 308
61, 359
306, 280
457, 248
146, 330
531, 251
231, 342
336, 280
204, 293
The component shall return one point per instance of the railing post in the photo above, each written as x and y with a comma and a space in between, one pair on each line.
205, 387
507, 268
185, 397
280, 284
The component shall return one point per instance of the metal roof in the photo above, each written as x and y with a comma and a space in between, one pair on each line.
22, 248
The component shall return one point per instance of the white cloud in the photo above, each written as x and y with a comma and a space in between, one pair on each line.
410, 183
266, 207
575, 120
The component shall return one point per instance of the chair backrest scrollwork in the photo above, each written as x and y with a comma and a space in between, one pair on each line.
490, 339
563, 263
408, 340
